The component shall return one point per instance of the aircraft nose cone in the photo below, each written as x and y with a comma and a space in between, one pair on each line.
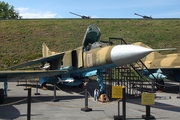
125, 54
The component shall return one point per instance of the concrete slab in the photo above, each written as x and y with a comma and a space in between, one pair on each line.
71, 100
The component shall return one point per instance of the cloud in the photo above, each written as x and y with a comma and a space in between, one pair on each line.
32, 13
46, 14
22, 9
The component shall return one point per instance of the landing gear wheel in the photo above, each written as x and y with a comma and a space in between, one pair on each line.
1, 96
82, 85
160, 85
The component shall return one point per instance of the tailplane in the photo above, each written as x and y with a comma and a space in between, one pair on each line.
46, 52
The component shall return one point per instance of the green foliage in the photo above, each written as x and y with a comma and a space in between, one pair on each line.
21, 40
7, 11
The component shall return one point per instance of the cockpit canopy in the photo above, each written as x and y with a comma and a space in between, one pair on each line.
92, 35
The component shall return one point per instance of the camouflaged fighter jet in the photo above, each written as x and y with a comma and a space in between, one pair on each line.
162, 66
75, 66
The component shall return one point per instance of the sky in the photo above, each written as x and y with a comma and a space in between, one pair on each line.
96, 8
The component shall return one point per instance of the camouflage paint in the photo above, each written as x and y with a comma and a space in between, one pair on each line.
156, 60
97, 57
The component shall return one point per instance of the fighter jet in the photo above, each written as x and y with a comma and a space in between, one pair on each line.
75, 66
161, 66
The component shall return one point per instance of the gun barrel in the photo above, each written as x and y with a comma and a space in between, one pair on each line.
138, 14
82, 16
144, 16
75, 14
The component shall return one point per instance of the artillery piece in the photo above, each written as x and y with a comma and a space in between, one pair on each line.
82, 16
144, 16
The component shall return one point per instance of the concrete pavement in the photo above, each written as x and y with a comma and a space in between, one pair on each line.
71, 100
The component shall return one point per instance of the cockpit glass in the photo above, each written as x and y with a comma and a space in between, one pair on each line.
98, 44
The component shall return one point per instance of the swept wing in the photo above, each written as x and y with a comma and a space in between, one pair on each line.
11, 74
39, 60
27, 74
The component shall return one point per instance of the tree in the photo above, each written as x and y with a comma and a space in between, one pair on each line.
7, 11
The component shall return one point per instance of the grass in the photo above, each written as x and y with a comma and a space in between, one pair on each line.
21, 40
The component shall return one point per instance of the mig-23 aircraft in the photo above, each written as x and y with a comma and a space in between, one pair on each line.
75, 66
161, 66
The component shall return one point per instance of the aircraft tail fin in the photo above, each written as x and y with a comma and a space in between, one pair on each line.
46, 52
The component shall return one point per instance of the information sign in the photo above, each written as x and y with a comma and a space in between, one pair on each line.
147, 98
117, 92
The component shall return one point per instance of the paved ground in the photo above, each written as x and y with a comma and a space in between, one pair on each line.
71, 100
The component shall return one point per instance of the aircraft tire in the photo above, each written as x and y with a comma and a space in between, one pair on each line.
1, 96
160, 85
